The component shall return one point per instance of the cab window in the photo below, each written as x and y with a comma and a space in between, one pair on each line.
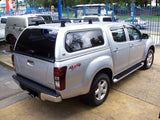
118, 35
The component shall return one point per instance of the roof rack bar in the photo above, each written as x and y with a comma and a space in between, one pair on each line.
90, 21
62, 23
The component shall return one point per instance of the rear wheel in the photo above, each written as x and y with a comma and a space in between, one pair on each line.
11, 40
99, 90
149, 59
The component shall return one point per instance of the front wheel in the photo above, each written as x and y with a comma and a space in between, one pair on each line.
149, 59
99, 90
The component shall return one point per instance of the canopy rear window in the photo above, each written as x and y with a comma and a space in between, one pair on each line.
39, 43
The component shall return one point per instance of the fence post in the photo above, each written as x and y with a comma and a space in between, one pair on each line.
106, 10
99, 10
59, 9
151, 21
133, 13
67, 12
158, 30
158, 14
140, 12
75, 12
113, 13
84, 9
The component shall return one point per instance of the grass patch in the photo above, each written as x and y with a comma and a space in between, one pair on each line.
151, 18
148, 18
70, 14
124, 17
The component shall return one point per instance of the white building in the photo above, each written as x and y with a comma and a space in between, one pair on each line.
153, 3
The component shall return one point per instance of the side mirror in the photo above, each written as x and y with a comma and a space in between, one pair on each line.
145, 36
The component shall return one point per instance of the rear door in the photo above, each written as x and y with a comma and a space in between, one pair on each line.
137, 45
34, 55
120, 49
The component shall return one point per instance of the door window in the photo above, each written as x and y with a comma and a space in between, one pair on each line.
119, 35
133, 34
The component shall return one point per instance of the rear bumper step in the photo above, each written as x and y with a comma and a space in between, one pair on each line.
41, 91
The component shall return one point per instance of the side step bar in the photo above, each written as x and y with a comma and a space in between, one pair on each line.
127, 72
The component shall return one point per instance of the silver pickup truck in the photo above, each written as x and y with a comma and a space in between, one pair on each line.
56, 62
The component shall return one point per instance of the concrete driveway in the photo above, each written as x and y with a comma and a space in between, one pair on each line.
137, 97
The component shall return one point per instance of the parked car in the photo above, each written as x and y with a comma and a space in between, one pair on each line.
3, 21
47, 18
138, 22
56, 62
96, 18
16, 24
55, 17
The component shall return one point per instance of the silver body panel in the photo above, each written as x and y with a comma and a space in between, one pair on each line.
111, 55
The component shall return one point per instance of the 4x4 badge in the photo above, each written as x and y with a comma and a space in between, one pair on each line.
75, 66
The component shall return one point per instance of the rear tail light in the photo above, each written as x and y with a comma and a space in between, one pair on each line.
60, 78
12, 57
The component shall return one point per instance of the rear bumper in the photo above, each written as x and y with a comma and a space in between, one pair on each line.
41, 91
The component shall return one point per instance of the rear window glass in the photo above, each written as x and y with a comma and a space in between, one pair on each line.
94, 19
37, 43
76, 41
3, 20
47, 19
35, 21
107, 19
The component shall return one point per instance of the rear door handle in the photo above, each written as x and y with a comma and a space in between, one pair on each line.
132, 45
116, 50
30, 62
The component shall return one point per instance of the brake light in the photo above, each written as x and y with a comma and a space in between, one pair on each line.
12, 57
60, 78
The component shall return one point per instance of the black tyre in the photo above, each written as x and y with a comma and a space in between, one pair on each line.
138, 27
99, 90
12, 41
149, 59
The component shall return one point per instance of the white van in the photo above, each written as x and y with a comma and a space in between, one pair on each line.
16, 24
3, 21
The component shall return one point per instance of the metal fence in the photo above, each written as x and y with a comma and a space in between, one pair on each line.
149, 19
149, 16
145, 19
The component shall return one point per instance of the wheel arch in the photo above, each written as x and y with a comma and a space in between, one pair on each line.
102, 64
147, 49
106, 71
153, 48
7, 38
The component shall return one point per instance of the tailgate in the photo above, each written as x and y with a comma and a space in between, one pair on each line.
34, 55
35, 69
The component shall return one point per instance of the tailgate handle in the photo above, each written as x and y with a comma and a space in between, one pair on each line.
29, 62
